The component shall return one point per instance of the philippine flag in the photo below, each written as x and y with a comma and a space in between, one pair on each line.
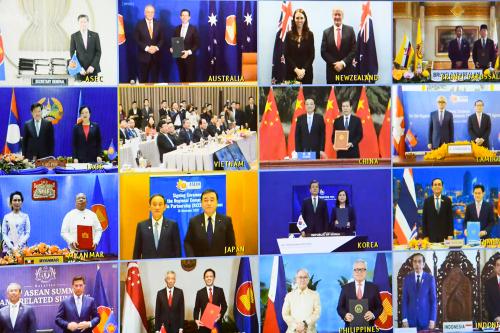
274, 323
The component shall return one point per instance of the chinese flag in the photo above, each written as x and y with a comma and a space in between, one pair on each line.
384, 137
272, 137
368, 147
299, 110
331, 113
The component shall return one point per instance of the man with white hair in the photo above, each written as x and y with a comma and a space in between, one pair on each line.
357, 290
16, 317
302, 307
169, 310
440, 125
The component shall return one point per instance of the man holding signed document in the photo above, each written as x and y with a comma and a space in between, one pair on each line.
210, 304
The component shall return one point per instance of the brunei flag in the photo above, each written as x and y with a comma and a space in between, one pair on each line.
405, 53
419, 54
98, 205
2, 59
13, 139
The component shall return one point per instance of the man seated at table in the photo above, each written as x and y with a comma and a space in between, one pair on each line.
133, 131
201, 131
186, 133
212, 127
124, 132
165, 141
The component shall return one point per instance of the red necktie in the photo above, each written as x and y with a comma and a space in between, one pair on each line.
359, 293
339, 38
211, 296
170, 298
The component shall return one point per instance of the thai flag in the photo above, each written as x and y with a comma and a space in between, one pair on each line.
274, 323
406, 215
284, 25
13, 139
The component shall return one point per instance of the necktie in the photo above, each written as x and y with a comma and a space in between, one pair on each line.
339, 37
346, 122
210, 296
479, 120
478, 209
309, 124
459, 44
418, 282
170, 298
79, 305
150, 29
315, 204
359, 293
438, 204
210, 231
168, 138
155, 234
37, 126
484, 43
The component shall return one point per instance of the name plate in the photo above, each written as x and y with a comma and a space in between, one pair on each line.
438, 75
405, 330
462, 149
457, 326
53, 259
306, 155
454, 243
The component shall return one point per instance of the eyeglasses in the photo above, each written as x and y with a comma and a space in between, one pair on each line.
359, 270
302, 277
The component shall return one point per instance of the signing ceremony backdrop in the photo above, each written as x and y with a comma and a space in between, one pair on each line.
46, 216
226, 30
61, 107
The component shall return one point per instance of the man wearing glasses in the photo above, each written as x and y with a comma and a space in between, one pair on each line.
440, 125
360, 289
302, 307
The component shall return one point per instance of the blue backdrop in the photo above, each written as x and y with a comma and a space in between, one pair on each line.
46, 216
457, 184
102, 102
418, 106
183, 196
370, 197
214, 56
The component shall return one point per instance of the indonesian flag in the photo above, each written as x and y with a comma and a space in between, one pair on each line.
273, 322
300, 109
368, 147
331, 113
134, 310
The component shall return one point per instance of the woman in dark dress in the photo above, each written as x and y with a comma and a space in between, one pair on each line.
343, 219
299, 50
86, 139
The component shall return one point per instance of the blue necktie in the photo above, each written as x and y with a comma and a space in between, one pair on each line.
210, 230
418, 282
346, 123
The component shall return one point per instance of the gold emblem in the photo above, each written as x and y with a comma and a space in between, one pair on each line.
358, 308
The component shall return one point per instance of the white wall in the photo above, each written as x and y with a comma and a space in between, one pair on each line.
319, 15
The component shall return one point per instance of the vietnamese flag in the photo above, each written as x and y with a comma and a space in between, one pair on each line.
299, 110
331, 113
272, 137
368, 147
384, 137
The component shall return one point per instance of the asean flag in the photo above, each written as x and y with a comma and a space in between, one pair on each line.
98, 205
13, 138
381, 279
245, 314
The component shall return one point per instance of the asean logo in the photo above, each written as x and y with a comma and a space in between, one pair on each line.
181, 185
384, 321
230, 35
72, 64
245, 299
52, 109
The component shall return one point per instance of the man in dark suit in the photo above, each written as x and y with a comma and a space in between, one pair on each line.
492, 293
157, 237
210, 233
187, 62
479, 125
481, 211
310, 131
147, 111
441, 128
186, 133
338, 48
437, 215
483, 52
135, 113
201, 131
16, 317
86, 139
348, 122
169, 310
77, 312
314, 211
239, 116
360, 289
419, 301
459, 50
148, 36
209, 294
165, 141
124, 134
163, 112
251, 114
38, 139
212, 127
87, 46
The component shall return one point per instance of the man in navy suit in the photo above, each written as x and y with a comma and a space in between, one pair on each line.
440, 125
209, 294
492, 293
210, 233
16, 317
169, 310
360, 289
165, 141
78, 312
310, 131
348, 122
459, 50
437, 215
187, 62
479, 125
148, 36
419, 302
481, 211
483, 51
157, 237
87, 46
186, 133
38, 139
314, 211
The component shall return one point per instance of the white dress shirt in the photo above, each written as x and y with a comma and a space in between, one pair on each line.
213, 222
77, 217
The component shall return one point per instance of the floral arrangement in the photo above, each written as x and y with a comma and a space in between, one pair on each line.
41, 249
9, 162
419, 244
441, 152
401, 74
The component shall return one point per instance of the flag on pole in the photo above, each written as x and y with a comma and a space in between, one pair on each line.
300, 109
13, 137
406, 215
368, 147
366, 51
163, 329
494, 37
405, 53
245, 313
273, 322
381, 279
272, 137
112, 153
121, 30
134, 310
80, 104
102, 303
111, 325
74, 66
398, 131
419, 48
384, 137
331, 113
2, 59
98, 205
411, 138
284, 25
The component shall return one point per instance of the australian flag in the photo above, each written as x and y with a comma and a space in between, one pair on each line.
366, 52
213, 40
284, 25
247, 38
